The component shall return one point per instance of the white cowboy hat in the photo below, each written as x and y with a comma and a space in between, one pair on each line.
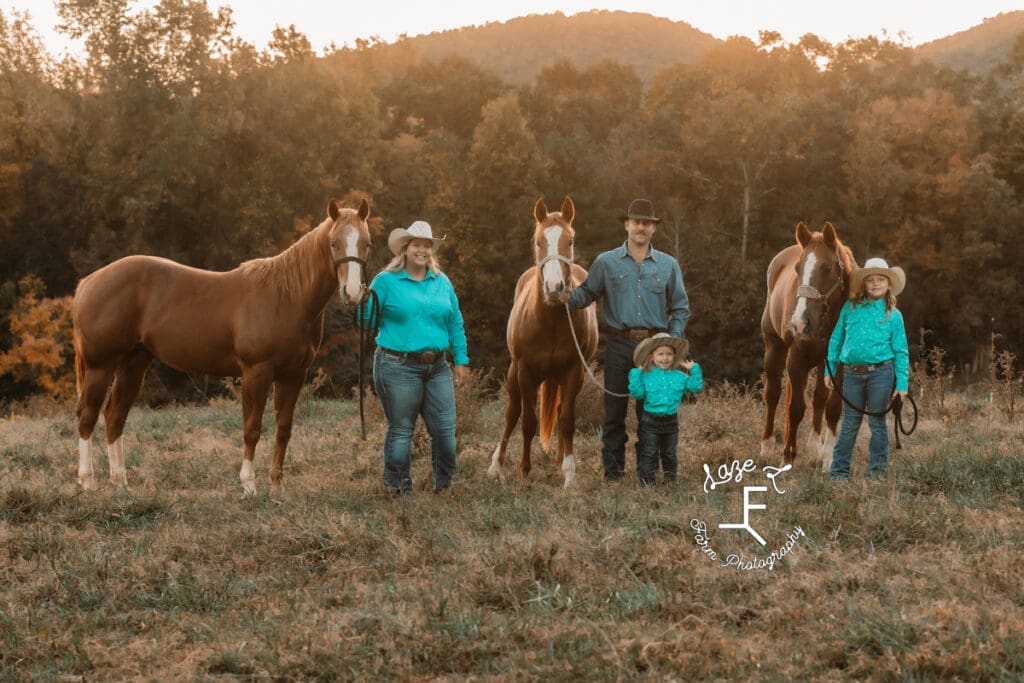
879, 266
420, 230
647, 347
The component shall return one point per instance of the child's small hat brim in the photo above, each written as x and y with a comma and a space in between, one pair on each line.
645, 348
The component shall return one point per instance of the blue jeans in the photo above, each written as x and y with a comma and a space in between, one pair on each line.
659, 435
870, 392
407, 389
618, 361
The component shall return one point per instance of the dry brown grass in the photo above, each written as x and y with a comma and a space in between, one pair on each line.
179, 577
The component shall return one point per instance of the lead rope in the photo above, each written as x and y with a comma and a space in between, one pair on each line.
365, 334
583, 361
895, 407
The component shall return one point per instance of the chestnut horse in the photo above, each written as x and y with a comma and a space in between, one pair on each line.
544, 355
262, 321
808, 282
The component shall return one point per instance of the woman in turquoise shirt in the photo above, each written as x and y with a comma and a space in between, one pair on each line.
870, 341
419, 320
661, 386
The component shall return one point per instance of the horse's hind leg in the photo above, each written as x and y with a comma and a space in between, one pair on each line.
286, 393
127, 383
255, 387
95, 382
833, 411
774, 362
513, 409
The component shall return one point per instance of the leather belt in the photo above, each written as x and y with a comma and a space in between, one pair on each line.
636, 334
427, 357
866, 368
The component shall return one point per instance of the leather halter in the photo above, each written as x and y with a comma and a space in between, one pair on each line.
355, 259
809, 292
566, 282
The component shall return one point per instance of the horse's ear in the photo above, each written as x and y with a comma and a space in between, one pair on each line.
568, 209
364, 209
829, 232
540, 210
803, 234
332, 209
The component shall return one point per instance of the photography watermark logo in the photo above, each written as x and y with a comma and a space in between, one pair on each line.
734, 473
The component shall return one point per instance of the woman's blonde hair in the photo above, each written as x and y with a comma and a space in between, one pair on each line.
397, 264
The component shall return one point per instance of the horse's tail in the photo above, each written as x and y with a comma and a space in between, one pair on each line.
549, 399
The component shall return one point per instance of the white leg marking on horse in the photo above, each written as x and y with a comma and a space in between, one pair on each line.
569, 470
248, 477
814, 440
828, 444
495, 469
354, 279
552, 272
115, 455
801, 301
767, 445
85, 465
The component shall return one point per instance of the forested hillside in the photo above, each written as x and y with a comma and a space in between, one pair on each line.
980, 48
175, 137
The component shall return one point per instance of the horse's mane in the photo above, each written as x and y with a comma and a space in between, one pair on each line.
292, 270
846, 256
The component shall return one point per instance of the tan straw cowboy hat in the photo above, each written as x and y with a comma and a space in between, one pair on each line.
879, 266
640, 210
647, 347
420, 230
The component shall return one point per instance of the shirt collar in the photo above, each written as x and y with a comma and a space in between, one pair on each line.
405, 275
623, 251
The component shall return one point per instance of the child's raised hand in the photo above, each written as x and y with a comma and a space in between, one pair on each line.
686, 364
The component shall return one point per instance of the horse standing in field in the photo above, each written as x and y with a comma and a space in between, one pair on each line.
540, 341
808, 282
262, 321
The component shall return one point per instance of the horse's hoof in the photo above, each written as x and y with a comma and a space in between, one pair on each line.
121, 481
766, 447
248, 489
276, 487
88, 483
494, 471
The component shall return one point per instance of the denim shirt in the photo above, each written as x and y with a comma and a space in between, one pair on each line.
867, 333
417, 315
649, 294
662, 390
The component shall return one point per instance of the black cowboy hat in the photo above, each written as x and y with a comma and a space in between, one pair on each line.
640, 210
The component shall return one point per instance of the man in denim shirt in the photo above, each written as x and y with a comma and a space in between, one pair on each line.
643, 294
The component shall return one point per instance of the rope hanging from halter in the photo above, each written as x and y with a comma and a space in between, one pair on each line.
895, 407
365, 333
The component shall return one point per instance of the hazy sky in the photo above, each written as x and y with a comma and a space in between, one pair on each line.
342, 21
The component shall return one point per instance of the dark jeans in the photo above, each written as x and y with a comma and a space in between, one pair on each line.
870, 392
618, 361
659, 435
408, 389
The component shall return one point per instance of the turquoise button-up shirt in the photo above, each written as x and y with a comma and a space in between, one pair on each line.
418, 315
649, 294
866, 333
662, 390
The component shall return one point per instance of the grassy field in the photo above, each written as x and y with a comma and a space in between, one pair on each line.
918, 577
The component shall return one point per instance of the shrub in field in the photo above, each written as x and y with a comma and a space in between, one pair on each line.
41, 354
932, 375
1005, 381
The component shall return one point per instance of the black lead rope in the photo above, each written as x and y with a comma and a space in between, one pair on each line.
365, 333
895, 407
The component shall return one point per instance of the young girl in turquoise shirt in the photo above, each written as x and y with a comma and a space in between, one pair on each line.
870, 341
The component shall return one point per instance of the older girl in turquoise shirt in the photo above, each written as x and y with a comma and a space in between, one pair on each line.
870, 341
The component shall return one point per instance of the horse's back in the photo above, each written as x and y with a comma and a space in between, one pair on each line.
781, 272
164, 305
